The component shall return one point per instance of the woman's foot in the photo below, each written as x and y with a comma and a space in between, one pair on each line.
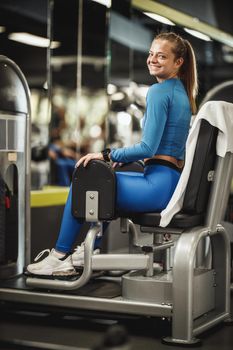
78, 255
52, 265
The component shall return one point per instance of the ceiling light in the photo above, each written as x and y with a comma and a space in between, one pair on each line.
54, 44
159, 18
111, 89
124, 118
106, 3
118, 96
95, 131
198, 35
34, 40
2, 29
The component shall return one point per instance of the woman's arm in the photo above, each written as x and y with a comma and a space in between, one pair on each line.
155, 120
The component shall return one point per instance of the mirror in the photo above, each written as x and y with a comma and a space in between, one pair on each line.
131, 33
24, 39
78, 84
126, 104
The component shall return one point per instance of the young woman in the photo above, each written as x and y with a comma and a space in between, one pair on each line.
170, 103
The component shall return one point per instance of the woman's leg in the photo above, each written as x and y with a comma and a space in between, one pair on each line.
70, 227
57, 262
148, 191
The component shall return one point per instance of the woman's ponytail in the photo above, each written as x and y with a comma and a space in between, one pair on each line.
188, 70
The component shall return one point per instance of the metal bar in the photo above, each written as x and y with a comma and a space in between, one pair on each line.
133, 233
210, 324
150, 269
163, 246
117, 305
123, 262
183, 283
220, 243
220, 191
38, 345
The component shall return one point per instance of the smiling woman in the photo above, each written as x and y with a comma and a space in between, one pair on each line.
171, 56
165, 129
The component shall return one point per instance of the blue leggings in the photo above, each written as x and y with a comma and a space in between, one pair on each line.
136, 192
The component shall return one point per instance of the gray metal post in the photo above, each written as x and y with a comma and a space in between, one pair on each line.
183, 269
16, 110
220, 191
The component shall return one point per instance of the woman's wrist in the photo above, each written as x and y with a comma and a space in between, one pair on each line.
106, 154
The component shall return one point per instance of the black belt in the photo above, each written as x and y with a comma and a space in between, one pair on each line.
162, 162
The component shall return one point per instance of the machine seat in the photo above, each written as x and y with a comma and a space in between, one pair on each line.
180, 220
198, 187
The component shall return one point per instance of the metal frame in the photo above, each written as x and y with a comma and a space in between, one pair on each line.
23, 164
184, 326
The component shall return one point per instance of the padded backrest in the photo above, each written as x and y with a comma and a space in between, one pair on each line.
97, 176
198, 187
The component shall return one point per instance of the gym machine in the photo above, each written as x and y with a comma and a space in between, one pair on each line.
14, 169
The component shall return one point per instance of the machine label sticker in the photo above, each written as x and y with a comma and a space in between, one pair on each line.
12, 157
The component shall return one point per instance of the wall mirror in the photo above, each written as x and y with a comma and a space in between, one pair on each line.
24, 39
132, 29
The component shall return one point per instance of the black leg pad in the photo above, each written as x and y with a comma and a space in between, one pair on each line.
96, 176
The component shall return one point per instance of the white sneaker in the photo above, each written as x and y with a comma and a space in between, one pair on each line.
51, 265
78, 255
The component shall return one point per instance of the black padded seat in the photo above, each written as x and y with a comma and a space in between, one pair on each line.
180, 220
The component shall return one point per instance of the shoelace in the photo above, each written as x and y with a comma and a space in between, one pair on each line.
79, 248
41, 253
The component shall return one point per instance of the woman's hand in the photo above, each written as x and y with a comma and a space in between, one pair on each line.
86, 159
116, 164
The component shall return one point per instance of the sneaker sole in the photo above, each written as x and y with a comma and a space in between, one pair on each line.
55, 273
64, 273
72, 277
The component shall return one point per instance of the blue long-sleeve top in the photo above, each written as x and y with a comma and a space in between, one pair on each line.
165, 126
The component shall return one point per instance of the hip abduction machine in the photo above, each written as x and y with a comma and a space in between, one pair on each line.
193, 285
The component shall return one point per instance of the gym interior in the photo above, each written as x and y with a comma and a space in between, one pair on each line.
73, 80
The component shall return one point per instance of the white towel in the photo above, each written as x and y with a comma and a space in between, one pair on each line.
218, 114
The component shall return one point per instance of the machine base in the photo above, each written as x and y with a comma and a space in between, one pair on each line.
194, 342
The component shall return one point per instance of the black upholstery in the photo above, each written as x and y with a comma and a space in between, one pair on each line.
198, 187
133, 166
96, 176
180, 220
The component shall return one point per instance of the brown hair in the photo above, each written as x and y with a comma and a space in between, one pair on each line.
188, 70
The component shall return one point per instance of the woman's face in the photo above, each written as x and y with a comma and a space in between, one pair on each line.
161, 61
